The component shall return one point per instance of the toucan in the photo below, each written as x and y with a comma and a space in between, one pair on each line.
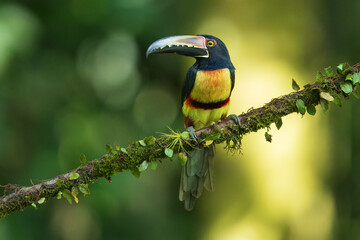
205, 99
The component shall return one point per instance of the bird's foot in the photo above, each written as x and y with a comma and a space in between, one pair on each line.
192, 134
236, 119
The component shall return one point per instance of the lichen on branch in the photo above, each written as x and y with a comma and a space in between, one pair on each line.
330, 87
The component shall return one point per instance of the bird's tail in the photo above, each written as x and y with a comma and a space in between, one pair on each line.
197, 173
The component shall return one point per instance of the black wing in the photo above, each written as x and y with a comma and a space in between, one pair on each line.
232, 76
188, 83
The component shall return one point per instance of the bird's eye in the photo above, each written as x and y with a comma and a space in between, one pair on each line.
210, 43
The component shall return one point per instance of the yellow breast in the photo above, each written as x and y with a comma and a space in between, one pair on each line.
211, 86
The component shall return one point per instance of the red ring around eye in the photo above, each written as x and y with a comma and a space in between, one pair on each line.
211, 40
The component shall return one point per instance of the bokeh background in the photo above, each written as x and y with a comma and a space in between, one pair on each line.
74, 77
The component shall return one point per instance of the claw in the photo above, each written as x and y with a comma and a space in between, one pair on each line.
192, 134
236, 119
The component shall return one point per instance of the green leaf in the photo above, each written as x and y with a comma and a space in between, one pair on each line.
143, 166
182, 158
108, 148
34, 206
185, 135
324, 105
295, 86
327, 96
154, 165
278, 123
142, 143
84, 188
59, 195
82, 158
169, 152
60, 183
124, 150
212, 137
356, 94
41, 201
74, 191
319, 77
135, 172
340, 68
329, 71
346, 87
149, 140
337, 100
74, 176
68, 195
356, 78
349, 77
311, 110
268, 137
301, 106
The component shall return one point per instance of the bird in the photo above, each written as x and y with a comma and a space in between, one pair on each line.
205, 99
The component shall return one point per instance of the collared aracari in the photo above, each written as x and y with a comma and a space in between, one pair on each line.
205, 99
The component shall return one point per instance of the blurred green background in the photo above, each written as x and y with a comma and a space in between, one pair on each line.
73, 78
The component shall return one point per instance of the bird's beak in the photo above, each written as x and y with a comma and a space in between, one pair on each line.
188, 45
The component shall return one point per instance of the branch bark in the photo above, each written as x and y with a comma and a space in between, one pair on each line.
152, 149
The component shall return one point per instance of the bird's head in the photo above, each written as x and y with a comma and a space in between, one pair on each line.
209, 51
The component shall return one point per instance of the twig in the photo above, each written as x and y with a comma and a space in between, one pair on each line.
328, 88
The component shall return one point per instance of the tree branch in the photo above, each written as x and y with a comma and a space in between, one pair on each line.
328, 88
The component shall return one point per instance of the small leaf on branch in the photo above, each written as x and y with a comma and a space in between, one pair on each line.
356, 78
68, 195
346, 87
324, 105
319, 77
295, 86
59, 195
75, 192
154, 165
169, 152
301, 106
185, 135
278, 123
74, 176
340, 68
82, 158
212, 137
142, 143
208, 142
84, 188
135, 172
149, 140
143, 166
109, 148
356, 94
337, 100
349, 77
182, 158
329, 71
123, 150
60, 183
41, 201
268, 137
327, 96
311, 110
34, 206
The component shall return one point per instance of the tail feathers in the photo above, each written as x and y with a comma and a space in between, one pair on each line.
197, 174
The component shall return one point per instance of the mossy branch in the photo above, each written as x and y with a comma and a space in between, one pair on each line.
329, 87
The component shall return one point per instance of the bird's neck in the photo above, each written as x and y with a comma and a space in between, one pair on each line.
212, 63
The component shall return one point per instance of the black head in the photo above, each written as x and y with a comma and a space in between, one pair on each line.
218, 54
